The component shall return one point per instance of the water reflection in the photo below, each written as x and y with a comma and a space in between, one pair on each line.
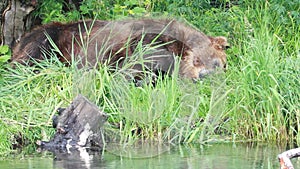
138, 150
213, 156
81, 158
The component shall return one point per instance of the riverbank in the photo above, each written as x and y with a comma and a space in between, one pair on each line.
257, 99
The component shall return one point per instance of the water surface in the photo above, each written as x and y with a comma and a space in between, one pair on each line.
212, 156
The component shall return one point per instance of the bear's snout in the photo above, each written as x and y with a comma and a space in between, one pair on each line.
203, 73
218, 64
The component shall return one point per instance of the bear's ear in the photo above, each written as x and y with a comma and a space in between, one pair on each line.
219, 42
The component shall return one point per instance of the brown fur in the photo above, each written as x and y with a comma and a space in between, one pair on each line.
115, 42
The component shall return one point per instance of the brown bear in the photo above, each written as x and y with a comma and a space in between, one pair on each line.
114, 43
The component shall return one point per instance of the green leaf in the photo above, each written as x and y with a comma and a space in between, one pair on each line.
4, 58
4, 49
138, 10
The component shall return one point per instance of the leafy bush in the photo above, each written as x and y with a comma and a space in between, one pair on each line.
50, 10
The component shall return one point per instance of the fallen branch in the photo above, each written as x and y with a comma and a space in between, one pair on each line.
284, 158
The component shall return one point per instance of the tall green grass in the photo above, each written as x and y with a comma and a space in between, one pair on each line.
28, 102
263, 100
170, 112
256, 99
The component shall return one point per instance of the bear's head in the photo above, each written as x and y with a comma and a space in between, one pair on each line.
204, 58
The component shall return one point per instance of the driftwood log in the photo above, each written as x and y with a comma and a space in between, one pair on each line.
284, 158
77, 126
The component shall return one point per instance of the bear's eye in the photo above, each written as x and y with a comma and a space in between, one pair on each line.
197, 62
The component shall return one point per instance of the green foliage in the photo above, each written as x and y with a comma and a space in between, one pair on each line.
50, 11
114, 9
266, 57
5, 54
28, 102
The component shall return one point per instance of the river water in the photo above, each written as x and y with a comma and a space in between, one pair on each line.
210, 156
